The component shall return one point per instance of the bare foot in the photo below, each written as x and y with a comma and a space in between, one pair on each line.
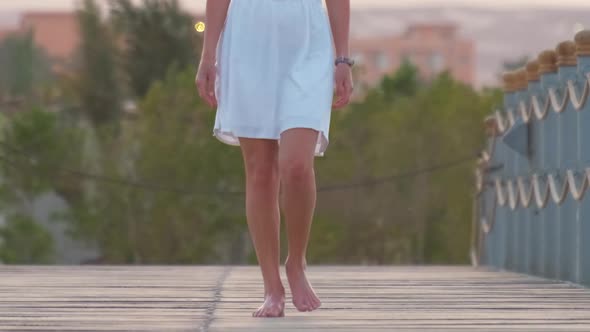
273, 306
304, 298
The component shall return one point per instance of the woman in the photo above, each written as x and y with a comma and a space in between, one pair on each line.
270, 69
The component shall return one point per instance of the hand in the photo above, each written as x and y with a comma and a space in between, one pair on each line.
343, 85
205, 80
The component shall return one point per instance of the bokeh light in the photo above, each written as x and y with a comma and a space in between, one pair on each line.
200, 26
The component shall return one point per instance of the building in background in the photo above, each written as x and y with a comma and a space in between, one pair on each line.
57, 33
6, 33
432, 48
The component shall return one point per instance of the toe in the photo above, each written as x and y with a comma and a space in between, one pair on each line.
306, 305
298, 305
313, 303
261, 312
316, 303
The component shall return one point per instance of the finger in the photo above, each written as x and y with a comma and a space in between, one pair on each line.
205, 96
342, 102
210, 100
210, 84
211, 87
337, 101
339, 88
348, 90
211, 91
201, 89
339, 93
347, 86
345, 102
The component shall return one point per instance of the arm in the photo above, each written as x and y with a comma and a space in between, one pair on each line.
216, 13
339, 12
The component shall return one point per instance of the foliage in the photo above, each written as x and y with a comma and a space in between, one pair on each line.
404, 83
24, 241
417, 219
32, 145
25, 68
170, 147
97, 86
157, 35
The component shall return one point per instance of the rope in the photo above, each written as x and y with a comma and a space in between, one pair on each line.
519, 192
505, 120
515, 193
60, 171
581, 101
525, 197
558, 106
488, 155
522, 197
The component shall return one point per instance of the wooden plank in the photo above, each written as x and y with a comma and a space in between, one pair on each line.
215, 299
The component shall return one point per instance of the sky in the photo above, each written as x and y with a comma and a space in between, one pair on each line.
16, 5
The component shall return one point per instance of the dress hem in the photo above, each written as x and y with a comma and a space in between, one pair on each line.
231, 137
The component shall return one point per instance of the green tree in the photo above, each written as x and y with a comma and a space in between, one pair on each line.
417, 219
169, 148
23, 241
25, 68
35, 145
403, 83
33, 149
98, 86
157, 35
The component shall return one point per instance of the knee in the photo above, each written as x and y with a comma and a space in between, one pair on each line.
293, 170
262, 173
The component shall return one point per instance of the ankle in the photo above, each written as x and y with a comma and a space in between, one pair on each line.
295, 263
274, 291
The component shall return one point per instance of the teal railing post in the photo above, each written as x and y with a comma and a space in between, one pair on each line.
535, 243
533, 187
520, 167
510, 171
583, 156
567, 140
549, 80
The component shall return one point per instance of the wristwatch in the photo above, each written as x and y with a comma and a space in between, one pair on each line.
343, 59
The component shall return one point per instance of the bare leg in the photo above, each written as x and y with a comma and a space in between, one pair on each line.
263, 214
298, 198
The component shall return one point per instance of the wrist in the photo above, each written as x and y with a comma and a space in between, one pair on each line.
344, 60
208, 56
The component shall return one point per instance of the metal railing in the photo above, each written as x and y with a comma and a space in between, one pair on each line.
531, 208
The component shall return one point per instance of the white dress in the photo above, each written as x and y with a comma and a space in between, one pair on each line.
275, 70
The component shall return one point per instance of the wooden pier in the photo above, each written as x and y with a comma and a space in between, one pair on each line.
221, 299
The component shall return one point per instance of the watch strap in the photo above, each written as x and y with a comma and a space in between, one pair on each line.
343, 59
